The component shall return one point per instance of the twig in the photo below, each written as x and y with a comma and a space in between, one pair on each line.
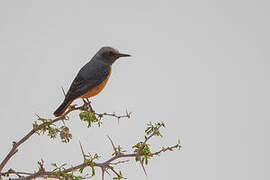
154, 132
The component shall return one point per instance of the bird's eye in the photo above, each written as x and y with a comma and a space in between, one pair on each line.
111, 53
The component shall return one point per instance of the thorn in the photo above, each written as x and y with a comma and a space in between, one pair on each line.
84, 159
142, 166
107, 172
37, 115
63, 91
70, 106
113, 145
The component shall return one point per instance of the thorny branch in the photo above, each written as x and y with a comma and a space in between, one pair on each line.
88, 106
141, 150
84, 107
105, 166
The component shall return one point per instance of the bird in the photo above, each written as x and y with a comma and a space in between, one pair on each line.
91, 78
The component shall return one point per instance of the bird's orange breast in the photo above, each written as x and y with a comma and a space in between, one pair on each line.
94, 91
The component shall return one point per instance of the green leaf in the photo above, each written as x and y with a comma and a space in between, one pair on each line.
89, 117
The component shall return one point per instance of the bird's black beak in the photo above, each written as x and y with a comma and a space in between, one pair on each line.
123, 55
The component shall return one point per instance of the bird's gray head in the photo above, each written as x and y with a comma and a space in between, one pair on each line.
109, 55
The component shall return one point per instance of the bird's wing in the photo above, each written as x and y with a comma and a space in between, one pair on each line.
85, 81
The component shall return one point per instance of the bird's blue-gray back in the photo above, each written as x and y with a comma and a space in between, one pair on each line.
91, 74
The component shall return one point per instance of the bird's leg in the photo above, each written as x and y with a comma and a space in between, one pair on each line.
89, 104
85, 104
84, 101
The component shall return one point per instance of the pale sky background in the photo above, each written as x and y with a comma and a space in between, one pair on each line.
200, 66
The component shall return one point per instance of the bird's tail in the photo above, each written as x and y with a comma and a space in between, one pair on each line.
61, 109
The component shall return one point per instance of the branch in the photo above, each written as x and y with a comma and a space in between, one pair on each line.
14, 149
87, 103
62, 173
105, 165
154, 131
141, 150
35, 129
